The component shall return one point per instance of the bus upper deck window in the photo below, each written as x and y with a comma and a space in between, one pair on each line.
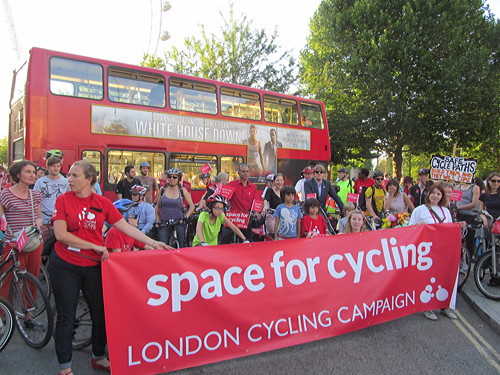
76, 78
311, 116
191, 96
280, 110
136, 87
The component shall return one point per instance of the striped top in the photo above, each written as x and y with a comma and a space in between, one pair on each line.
18, 211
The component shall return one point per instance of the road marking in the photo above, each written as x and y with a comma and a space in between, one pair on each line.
474, 342
478, 335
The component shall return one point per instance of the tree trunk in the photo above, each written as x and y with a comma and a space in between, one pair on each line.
397, 162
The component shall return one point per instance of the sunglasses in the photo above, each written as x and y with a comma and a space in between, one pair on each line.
495, 181
379, 179
174, 177
320, 172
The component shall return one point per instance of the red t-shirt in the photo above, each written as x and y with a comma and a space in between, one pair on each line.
243, 196
118, 240
358, 185
84, 218
308, 224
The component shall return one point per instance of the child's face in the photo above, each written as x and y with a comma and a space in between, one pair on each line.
313, 210
218, 209
289, 198
356, 222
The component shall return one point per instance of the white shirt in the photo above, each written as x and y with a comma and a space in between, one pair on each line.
422, 214
299, 188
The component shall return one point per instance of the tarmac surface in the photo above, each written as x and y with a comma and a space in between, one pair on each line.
487, 309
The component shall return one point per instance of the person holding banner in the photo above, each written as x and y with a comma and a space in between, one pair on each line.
22, 208
210, 223
75, 263
434, 211
356, 222
220, 180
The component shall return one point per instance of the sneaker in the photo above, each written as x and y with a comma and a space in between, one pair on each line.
430, 315
449, 313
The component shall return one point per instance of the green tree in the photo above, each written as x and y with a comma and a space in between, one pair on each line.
414, 74
240, 55
4, 147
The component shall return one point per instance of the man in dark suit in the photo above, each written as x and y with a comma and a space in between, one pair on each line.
322, 188
270, 153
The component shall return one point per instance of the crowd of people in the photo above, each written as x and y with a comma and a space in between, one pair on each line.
72, 209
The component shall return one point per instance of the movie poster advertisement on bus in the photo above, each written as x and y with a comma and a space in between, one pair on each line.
262, 141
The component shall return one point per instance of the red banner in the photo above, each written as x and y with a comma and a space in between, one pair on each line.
257, 205
206, 168
22, 240
456, 195
208, 304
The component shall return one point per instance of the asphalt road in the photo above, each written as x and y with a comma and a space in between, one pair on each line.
410, 345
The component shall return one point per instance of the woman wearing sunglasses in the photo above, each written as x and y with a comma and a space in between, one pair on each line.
169, 206
490, 199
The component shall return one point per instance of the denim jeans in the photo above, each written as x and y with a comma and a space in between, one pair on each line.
164, 234
67, 280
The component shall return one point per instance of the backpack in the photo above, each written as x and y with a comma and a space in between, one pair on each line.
362, 198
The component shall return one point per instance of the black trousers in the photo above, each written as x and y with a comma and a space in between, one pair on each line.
67, 280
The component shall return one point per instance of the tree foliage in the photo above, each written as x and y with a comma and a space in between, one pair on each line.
4, 147
240, 55
414, 74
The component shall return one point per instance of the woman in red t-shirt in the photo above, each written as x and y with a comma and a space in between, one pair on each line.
78, 219
22, 208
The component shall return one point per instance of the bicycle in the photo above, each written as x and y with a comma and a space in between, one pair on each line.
82, 330
7, 323
465, 261
31, 306
171, 226
487, 268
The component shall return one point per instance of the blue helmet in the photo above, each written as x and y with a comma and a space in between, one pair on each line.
123, 205
145, 164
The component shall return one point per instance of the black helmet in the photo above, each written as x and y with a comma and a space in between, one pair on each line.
423, 171
378, 174
204, 175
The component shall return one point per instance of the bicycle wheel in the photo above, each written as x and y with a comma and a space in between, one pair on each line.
32, 310
82, 331
43, 277
464, 268
7, 323
486, 282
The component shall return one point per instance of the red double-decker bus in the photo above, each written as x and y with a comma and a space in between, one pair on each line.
115, 115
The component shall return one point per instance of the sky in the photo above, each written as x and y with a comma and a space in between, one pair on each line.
122, 30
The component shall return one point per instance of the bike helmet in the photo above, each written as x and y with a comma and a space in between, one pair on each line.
145, 164
123, 205
54, 152
217, 198
204, 175
173, 171
138, 189
378, 174
423, 171
270, 177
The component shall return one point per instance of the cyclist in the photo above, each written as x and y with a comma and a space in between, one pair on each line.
375, 197
210, 223
169, 206
117, 241
220, 180
144, 212
205, 179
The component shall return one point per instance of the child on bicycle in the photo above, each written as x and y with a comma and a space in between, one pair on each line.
312, 224
287, 216
210, 223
